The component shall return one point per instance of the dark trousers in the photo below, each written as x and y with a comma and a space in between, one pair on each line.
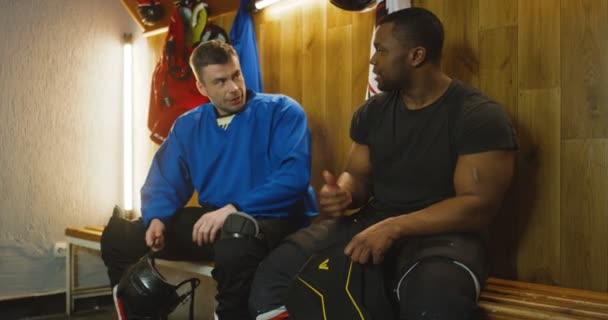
429, 260
236, 259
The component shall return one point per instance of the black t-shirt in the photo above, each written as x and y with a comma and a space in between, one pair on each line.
413, 153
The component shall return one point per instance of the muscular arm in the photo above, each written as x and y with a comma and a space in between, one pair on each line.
355, 179
480, 182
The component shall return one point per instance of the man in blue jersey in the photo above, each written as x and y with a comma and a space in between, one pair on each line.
248, 156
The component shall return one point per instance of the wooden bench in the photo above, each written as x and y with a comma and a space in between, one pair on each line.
500, 300
89, 237
506, 299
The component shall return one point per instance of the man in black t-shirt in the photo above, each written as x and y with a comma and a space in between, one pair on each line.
430, 162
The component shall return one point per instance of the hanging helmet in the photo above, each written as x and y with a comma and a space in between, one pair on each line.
352, 5
215, 32
150, 11
143, 293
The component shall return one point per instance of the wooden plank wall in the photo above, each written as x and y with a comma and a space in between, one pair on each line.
544, 60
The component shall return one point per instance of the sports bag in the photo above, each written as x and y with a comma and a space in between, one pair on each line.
330, 286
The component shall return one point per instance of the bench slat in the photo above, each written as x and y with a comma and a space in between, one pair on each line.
83, 233
571, 302
493, 310
541, 305
95, 228
527, 301
551, 290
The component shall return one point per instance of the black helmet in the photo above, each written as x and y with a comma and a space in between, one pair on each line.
352, 5
215, 32
143, 293
150, 11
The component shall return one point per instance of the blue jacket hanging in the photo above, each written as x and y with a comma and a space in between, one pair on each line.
242, 36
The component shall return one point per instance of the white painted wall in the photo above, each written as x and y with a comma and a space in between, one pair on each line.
60, 132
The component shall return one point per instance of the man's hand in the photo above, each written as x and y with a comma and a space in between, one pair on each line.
333, 200
206, 228
372, 242
155, 235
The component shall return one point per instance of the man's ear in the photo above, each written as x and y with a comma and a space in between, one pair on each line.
417, 56
201, 88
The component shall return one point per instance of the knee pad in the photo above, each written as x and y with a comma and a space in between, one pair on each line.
437, 288
240, 225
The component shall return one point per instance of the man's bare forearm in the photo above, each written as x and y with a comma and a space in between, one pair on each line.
464, 213
357, 186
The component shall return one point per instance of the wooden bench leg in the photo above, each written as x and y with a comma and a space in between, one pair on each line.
69, 278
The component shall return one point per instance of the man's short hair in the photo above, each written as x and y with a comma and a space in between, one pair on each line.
210, 52
418, 27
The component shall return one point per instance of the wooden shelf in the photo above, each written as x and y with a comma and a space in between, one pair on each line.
215, 8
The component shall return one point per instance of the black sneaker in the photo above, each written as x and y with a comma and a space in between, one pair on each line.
240, 225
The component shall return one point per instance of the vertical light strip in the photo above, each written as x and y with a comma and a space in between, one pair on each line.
127, 140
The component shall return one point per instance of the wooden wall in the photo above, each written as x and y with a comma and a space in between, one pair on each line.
544, 60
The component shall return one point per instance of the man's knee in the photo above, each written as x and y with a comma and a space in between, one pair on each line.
238, 253
123, 237
273, 277
437, 288
122, 244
